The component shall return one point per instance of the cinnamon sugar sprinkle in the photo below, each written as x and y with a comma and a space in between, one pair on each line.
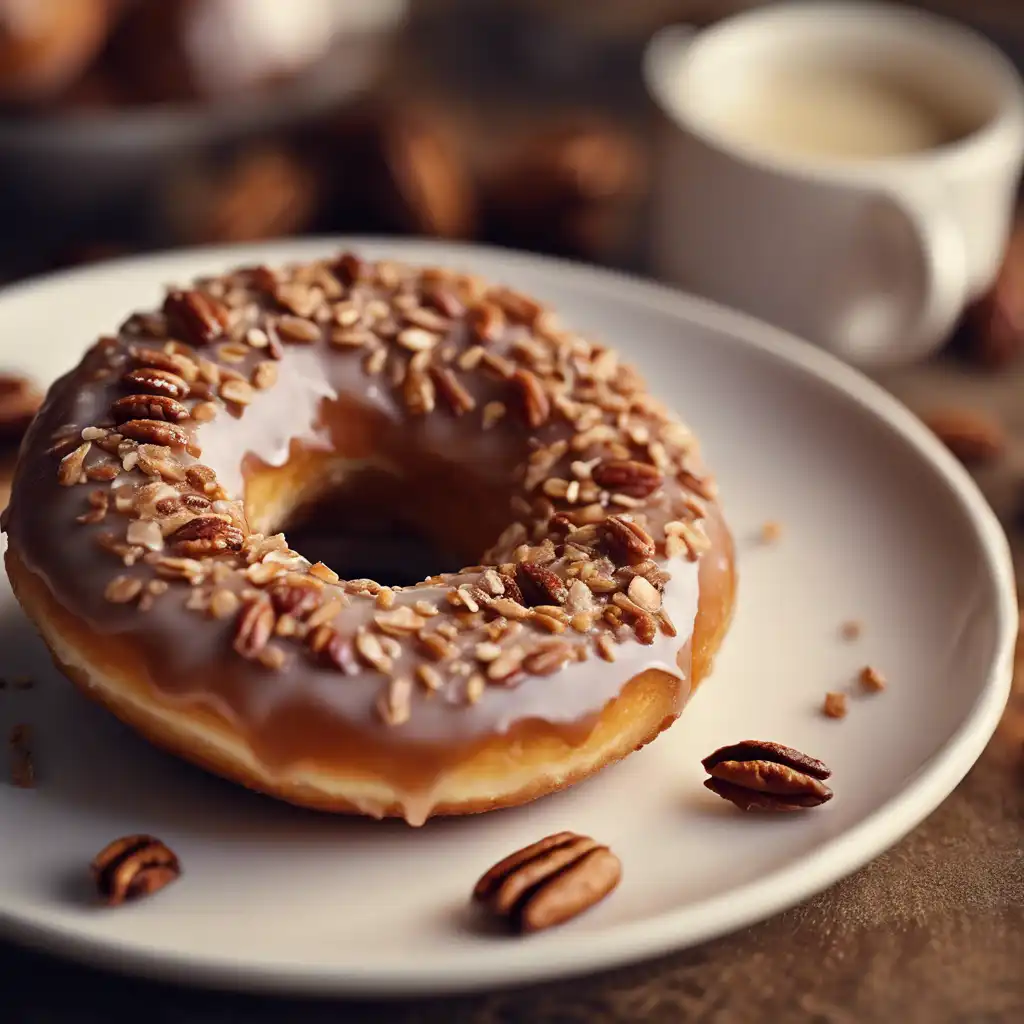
610, 487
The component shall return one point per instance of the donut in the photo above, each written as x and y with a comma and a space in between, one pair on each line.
46, 44
144, 539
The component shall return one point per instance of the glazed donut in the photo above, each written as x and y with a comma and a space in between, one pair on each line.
141, 539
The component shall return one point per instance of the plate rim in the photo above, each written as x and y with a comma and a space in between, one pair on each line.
675, 929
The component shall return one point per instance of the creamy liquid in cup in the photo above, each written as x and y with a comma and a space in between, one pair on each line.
837, 113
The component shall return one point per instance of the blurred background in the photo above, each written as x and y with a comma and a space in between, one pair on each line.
129, 125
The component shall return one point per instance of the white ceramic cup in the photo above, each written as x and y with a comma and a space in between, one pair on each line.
872, 258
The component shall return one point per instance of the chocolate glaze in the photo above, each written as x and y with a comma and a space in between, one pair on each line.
325, 409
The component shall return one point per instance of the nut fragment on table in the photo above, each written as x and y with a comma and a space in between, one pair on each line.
549, 882
132, 867
19, 401
759, 775
973, 436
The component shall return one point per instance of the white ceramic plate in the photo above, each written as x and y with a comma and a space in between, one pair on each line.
880, 525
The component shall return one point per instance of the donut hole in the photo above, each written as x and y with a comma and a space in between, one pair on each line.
393, 514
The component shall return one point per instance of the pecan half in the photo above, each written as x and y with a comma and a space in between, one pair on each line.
627, 476
19, 401
254, 627
206, 535
198, 318
549, 882
758, 775
148, 407
133, 866
538, 585
154, 432
535, 402
173, 362
154, 381
627, 539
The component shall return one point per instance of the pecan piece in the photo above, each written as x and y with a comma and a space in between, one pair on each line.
627, 476
627, 539
254, 627
538, 585
173, 362
294, 598
154, 381
549, 882
198, 318
452, 390
148, 407
486, 322
445, 301
206, 535
972, 436
548, 658
535, 403
764, 776
348, 268
154, 432
19, 401
511, 588
133, 866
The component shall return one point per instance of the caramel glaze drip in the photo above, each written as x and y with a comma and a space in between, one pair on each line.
332, 409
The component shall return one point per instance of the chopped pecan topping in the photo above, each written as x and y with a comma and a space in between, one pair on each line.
549, 882
254, 627
72, 467
765, 776
206, 535
445, 301
627, 476
627, 539
173, 362
152, 431
132, 867
296, 598
548, 657
535, 403
458, 399
486, 322
148, 407
538, 585
154, 381
348, 268
199, 319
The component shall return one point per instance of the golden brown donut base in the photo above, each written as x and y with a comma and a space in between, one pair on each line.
531, 760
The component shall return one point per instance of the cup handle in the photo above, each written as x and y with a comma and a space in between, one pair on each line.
867, 331
946, 291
